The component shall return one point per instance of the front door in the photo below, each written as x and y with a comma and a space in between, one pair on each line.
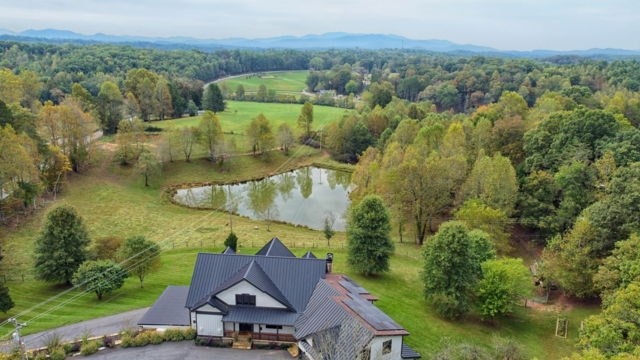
246, 327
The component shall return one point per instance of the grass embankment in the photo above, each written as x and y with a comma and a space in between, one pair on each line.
283, 82
113, 202
236, 118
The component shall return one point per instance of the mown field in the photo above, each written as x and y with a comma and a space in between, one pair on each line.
239, 114
283, 82
114, 202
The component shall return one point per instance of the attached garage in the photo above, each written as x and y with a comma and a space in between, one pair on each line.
209, 324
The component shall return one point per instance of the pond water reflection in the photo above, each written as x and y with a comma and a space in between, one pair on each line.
304, 196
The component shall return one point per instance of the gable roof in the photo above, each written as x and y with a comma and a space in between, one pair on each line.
169, 309
309, 255
338, 298
253, 273
275, 247
228, 251
291, 280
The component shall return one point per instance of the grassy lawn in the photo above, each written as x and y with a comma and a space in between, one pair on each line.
236, 118
238, 115
283, 82
114, 202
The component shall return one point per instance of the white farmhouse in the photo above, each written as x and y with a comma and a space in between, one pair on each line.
275, 297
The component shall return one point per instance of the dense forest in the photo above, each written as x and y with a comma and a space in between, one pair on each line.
550, 146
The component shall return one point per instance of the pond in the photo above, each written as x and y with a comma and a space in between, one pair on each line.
306, 196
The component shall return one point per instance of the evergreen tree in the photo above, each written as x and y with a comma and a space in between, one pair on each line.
369, 244
213, 99
62, 245
5, 299
231, 241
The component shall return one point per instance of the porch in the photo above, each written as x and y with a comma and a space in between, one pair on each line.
260, 336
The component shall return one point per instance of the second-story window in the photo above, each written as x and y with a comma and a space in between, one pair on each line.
245, 299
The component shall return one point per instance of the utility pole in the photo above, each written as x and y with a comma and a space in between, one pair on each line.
17, 338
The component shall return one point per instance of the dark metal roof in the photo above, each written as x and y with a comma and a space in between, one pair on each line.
409, 353
309, 255
169, 309
322, 312
293, 277
275, 247
338, 298
228, 251
258, 315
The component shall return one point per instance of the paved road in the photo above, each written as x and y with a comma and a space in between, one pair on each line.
96, 327
187, 350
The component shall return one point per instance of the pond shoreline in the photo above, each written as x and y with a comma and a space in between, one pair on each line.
331, 196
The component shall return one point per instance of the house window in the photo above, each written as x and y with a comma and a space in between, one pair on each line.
245, 299
278, 327
386, 347
365, 354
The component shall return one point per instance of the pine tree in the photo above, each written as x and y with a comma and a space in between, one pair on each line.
369, 244
62, 245
213, 99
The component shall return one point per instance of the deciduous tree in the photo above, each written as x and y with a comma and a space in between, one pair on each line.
305, 119
504, 282
109, 106
210, 133
285, 137
260, 135
140, 256
148, 165
452, 267
100, 276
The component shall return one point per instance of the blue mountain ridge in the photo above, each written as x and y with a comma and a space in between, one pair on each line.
330, 40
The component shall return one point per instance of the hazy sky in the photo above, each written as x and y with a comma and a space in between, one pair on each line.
502, 24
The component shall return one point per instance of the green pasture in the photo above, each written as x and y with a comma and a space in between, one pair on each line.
239, 114
283, 82
113, 202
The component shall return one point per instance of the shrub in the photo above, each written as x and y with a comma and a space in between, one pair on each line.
142, 339
53, 341
190, 334
39, 356
151, 128
58, 353
126, 340
174, 335
156, 338
89, 347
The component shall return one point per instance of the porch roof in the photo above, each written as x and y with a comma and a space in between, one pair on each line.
257, 315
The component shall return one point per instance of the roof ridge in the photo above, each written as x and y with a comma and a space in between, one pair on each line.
246, 273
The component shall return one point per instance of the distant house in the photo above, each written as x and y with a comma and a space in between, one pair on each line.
274, 296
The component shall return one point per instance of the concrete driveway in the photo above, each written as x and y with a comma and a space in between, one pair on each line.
187, 350
97, 327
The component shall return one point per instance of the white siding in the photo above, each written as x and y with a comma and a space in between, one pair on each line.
209, 325
207, 308
376, 348
244, 287
229, 326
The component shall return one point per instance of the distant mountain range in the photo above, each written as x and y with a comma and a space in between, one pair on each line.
333, 40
